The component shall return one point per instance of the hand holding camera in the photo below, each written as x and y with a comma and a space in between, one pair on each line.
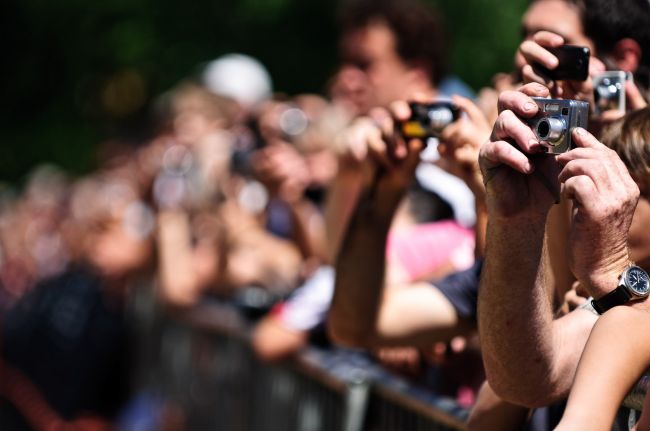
460, 143
511, 156
564, 69
604, 198
375, 147
555, 120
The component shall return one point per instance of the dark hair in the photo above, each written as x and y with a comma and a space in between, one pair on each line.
426, 206
608, 21
418, 29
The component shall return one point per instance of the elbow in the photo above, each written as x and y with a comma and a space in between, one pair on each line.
526, 394
345, 336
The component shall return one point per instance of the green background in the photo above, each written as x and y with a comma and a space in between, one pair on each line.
77, 72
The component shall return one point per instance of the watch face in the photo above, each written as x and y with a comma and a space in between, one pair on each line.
637, 279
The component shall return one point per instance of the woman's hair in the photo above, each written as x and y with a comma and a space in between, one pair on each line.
630, 138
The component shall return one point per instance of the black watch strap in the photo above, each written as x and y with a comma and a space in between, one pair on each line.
618, 296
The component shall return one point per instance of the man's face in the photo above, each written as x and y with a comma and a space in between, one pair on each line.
557, 16
372, 49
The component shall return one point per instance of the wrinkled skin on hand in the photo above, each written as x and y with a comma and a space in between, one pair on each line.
521, 183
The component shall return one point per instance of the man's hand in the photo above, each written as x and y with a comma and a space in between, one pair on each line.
535, 51
283, 170
604, 199
461, 142
518, 184
373, 145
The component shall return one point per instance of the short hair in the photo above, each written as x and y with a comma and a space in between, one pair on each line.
418, 29
630, 138
606, 22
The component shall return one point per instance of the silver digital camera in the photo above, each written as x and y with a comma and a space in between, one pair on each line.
609, 91
556, 120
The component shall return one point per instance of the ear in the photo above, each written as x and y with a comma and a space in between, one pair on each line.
419, 73
627, 54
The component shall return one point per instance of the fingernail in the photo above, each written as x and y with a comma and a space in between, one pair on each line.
580, 131
529, 106
533, 144
530, 167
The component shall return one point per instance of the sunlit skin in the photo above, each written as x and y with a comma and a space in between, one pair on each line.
556, 16
373, 50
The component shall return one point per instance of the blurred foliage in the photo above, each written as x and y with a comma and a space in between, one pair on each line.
77, 72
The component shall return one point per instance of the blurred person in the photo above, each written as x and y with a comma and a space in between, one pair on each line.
76, 320
297, 165
422, 217
617, 37
365, 311
400, 47
239, 77
401, 50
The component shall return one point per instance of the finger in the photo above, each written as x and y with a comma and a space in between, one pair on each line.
634, 97
577, 153
580, 189
596, 67
496, 153
400, 110
534, 90
531, 74
582, 138
533, 52
509, 126
384, 121
450, 133
548, 39
519, 103
473, 112
592, 168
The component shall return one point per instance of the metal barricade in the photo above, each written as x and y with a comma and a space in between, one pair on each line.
206, 366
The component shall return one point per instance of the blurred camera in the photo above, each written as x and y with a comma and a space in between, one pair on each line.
428, 120
556, 120
609, 91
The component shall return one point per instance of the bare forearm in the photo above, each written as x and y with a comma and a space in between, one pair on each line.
360, 272
615, 357
515, 314
175, 254
309, 230
341, 199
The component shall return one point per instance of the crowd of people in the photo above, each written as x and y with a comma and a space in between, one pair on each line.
519, 274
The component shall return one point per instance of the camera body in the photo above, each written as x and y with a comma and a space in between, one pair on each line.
428, 120
609, 91
573, 63
556, 120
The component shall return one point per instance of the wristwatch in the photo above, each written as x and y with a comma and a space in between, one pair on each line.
633, 284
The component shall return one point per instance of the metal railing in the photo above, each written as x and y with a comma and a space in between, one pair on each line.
203, 361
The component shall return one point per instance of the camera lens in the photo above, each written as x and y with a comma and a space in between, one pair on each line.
440, 117
550, 129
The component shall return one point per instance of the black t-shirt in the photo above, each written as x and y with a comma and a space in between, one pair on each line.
71, 343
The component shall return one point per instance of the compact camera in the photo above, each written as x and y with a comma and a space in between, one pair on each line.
556, 120
609, 91
428, 120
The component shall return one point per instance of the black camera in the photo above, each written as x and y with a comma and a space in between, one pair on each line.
556, 120
428, 120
